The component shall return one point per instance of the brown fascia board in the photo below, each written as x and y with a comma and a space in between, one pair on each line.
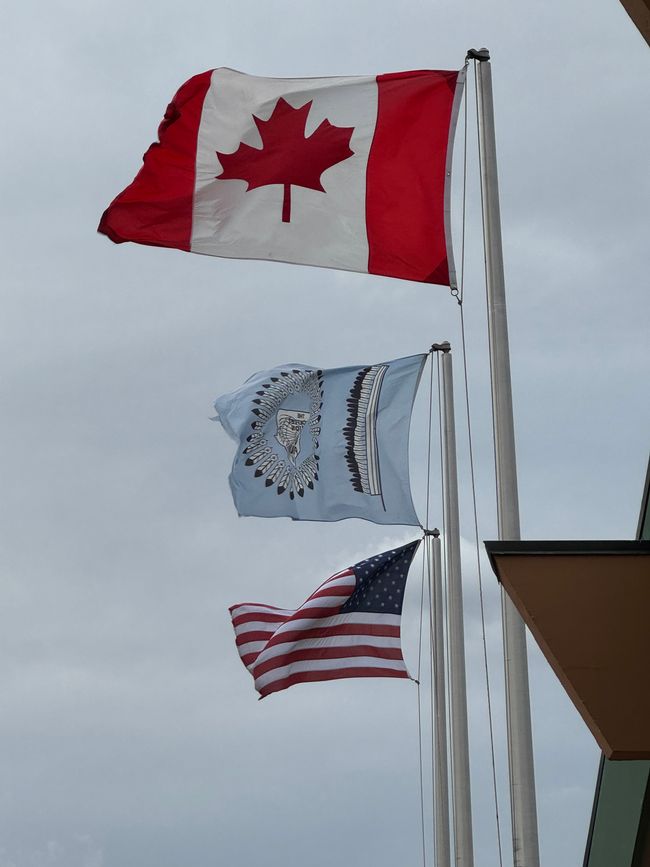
639, 12
587, 604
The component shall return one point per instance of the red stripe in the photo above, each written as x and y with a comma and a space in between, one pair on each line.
326, 653
156, 208
334, 674
406, 176
325, 632
339, 590
245, 637
259, 617
247, 658
347, 573
313, 613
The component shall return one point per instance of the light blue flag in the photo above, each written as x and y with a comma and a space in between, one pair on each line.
322, 445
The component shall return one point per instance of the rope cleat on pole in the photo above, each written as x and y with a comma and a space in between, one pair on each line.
480, 54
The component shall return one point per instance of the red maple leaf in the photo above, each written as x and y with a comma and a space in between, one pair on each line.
287, 157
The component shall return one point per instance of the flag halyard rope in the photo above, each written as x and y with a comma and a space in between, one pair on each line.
419, 701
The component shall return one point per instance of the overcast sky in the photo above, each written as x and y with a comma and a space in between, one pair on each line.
130, 733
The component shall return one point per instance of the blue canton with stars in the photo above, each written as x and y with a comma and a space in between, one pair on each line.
381, 581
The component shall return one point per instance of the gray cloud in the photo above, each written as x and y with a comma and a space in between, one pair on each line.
130, 732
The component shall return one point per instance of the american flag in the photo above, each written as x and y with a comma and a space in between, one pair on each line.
349, 627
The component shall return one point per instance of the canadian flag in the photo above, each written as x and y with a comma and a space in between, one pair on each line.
346, 172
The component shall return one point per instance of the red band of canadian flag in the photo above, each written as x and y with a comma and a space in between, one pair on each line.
349, 173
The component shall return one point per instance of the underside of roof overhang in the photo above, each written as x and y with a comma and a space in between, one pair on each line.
587, 604
639, 12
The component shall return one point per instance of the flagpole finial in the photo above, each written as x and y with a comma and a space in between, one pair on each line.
435, 533
480, 54
441, 347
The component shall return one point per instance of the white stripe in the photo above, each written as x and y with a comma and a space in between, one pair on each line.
347, 581
273, 626
327, 665
255, 626
326, 228
331, 641
359, 618
314, 601
251, 647
344, 573
325, 602
247, 608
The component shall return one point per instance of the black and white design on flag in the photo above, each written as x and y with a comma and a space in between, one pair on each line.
360, 432
294, 400
334, 442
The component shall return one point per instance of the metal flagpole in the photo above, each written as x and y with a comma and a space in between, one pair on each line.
520, 742
441, 778
461, 792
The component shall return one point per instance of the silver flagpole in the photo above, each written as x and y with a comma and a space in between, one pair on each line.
461, 792
520, 743
441, 777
